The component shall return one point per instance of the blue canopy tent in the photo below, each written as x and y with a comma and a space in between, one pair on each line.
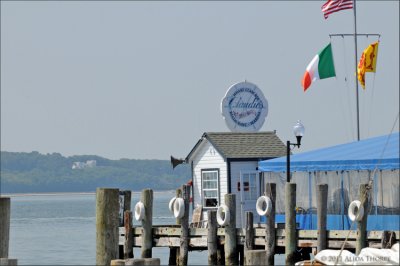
343, 167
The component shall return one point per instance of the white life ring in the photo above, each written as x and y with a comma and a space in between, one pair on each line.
264, 205
139, 211
223, 219
353, 215
171, 204
179, 208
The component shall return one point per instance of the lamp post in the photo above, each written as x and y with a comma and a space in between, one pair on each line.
290, 202
298, 131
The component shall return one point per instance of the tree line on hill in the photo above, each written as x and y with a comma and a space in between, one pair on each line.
34, 172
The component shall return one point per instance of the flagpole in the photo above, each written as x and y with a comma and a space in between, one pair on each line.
332, 6
355, 49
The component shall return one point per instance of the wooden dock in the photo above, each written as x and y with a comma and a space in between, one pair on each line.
226, 245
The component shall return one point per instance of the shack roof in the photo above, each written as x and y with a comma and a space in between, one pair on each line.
232, 145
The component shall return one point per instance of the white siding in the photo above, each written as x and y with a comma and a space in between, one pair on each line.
207, 157
236, 167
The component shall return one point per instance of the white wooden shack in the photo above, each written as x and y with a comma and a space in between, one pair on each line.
226, 162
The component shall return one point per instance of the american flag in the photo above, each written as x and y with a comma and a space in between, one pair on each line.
332, 6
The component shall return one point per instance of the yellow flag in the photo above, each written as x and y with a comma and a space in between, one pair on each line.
367, 62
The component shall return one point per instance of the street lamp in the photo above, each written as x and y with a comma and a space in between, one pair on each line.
298, 131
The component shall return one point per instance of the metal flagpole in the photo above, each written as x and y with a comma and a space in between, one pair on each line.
355, 48
356, 63
355, 41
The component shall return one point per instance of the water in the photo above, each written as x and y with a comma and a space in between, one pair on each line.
60, 229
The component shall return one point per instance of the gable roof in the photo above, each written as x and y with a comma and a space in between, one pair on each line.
233, 145
379, 152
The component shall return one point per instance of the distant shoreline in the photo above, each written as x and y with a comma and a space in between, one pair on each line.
23, 194
67, 193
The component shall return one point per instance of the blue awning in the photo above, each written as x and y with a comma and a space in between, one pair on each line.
379, 152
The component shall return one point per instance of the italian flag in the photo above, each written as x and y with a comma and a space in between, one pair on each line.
320, 67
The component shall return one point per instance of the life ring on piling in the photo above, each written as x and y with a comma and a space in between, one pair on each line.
179, 208
223, 219
263, 205
356, 215
139, 211
171, 204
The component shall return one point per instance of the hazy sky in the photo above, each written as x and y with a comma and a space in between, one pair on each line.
144, 80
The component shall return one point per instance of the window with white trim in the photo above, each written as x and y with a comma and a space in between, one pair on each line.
249, 186
210, 188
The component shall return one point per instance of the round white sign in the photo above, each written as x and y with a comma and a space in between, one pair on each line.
244, 107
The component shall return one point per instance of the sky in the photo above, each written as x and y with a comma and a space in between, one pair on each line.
145, 79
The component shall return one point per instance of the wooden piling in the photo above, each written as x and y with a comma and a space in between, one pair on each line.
388, 239
5, 204
136, 262
184, 243
221, 255
128, 244
174, 251
107, 221
322, 206
249, 237
240, 249
142, 262
8, 262
255, 257
173, 258
124, 205
212, 240
147, 223
270, 191
118, 262
361, 241
290, 223
231, 256
125, 197
178, 195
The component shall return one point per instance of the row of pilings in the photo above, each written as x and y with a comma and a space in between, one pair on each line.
107, 223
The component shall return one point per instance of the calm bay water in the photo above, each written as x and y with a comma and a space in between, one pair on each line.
60, 229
